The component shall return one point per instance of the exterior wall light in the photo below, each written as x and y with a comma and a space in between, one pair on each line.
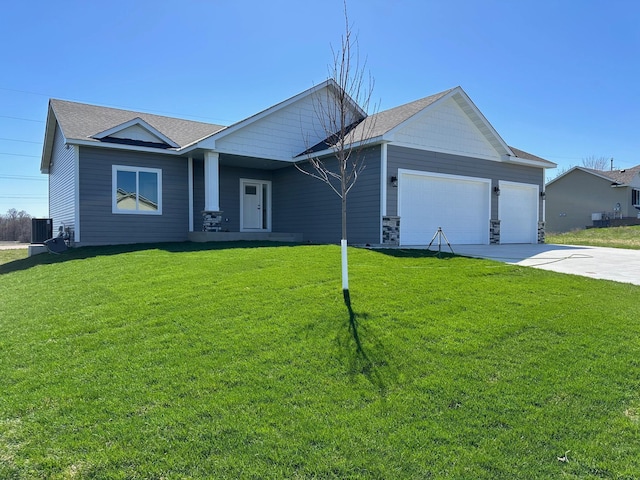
543, 194
496, 190
394, 181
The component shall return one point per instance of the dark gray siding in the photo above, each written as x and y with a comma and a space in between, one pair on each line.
306, 205
100, 226
198, 194
408, 158
62, 174
229, 193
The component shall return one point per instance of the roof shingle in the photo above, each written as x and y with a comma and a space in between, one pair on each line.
80, 121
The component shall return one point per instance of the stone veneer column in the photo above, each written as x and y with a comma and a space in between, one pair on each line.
494, 232
390, 230
211, 221
541, 232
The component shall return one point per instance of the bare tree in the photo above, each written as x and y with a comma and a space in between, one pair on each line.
597, 163
341, 114
15, 226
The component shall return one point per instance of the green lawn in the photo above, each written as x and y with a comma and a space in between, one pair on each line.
617, 237
189, 361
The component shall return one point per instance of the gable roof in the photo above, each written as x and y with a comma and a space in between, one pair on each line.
80, 121
331, 87
382, 125
619, 178
153, 134
85, 124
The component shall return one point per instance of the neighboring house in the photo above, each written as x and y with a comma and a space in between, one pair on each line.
584, 197
117, 176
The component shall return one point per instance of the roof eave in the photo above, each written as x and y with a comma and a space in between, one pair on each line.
330, 151
49, 135
119, 146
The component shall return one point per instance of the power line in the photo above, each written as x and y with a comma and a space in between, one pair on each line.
22, 177
21, 141
25, 197
20, 118
19, 155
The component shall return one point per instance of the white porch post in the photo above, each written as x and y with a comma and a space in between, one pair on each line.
211, 216
211, 182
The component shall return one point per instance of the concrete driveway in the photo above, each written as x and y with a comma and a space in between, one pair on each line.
12, 245
604, 263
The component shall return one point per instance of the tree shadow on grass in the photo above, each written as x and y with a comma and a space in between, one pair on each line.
370, 360
82, 253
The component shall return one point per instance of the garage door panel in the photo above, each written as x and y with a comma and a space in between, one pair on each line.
460, 205
518, 212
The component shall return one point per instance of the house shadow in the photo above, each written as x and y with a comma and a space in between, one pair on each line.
82, 253
363, 351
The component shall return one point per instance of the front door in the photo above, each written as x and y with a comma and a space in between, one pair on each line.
255, 205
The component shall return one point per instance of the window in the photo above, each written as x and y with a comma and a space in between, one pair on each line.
635, 197
137, 190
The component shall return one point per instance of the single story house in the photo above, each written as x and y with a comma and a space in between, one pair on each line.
117, 176
582, 197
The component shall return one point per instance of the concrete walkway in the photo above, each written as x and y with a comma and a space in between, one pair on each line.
615, 264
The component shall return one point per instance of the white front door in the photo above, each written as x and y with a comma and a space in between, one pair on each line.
255, 205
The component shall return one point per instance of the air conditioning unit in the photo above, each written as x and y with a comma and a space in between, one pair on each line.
596, 217
41, 230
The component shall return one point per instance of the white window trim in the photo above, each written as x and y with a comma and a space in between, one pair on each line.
637, 195
114, 189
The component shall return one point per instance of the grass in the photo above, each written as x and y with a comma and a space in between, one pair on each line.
616, 237
182, 361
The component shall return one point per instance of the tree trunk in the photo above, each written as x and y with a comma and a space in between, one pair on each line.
343, 243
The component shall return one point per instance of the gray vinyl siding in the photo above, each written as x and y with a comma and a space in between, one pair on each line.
101, 226
306, 205
198, 194
62, 174
426, 161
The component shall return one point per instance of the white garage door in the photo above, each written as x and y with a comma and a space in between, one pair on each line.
460, 205
518, 212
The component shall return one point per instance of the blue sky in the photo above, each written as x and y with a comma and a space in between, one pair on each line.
555, 78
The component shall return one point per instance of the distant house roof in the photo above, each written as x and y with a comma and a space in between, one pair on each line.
622, 177
619, 178
80, 121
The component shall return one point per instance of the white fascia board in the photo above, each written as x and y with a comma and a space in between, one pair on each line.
207, 143
279, 106
49, 135
481, 118
141, 123
119, 146
389, 135
525, 161
330, 151
330, 83
485, 127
